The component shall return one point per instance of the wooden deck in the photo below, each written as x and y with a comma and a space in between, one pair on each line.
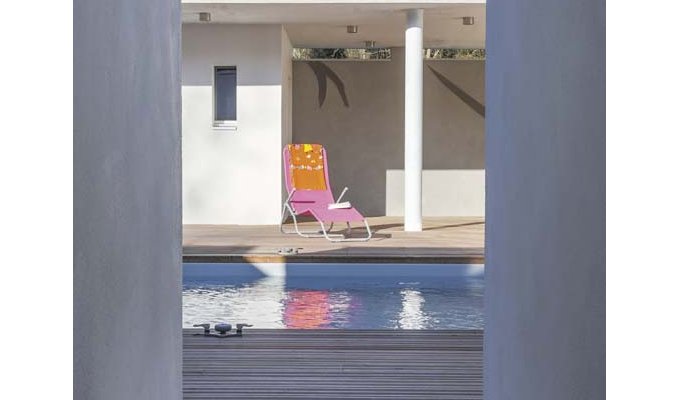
334, 364
443, 240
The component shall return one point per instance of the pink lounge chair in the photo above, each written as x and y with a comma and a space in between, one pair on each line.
309, 193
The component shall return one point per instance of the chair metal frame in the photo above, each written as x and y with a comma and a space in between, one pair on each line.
325, 233
288, 208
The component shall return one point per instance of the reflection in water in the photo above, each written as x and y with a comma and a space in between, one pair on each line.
343, 306
318, 303
412, 315
259, 303
307, 309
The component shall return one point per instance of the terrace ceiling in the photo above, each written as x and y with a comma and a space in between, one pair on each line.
318, 24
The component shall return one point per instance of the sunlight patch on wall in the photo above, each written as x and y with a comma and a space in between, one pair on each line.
450, 192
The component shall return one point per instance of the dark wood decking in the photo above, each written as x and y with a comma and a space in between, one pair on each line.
334, 364
455, 240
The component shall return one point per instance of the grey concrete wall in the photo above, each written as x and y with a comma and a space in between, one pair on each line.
364, 134
286, 99
127, 236
545, 234
286, 89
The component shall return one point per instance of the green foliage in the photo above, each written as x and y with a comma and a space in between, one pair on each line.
454, 54
336, 54
385, 54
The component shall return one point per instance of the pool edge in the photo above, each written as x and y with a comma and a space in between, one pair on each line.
344, 259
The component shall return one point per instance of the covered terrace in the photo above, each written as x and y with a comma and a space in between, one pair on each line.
406, 135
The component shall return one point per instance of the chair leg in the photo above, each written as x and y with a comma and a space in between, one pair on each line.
286, 208
283, 218
289, 210
333, 238
306, 234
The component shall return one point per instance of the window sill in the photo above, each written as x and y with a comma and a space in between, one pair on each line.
225, 125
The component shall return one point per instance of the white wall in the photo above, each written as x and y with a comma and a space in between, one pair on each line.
127, 229
365, 140
233, 177
545, 225
446, 192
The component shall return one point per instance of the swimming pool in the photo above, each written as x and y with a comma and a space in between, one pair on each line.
335, 296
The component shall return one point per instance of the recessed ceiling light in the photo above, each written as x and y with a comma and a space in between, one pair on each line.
468, 20
352, 28
204, 16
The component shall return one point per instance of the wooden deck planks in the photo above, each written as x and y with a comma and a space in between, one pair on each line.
443, 240
334, 364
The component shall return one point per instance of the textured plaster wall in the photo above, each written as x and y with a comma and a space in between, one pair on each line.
545, 233
233, 177
286, 87
287, 97
364, 132
127, 205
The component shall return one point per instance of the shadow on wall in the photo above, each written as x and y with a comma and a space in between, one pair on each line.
323, 74
460, 93
360, 120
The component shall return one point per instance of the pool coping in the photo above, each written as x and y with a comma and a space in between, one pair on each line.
337, 259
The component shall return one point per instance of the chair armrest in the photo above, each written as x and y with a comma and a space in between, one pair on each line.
341, 194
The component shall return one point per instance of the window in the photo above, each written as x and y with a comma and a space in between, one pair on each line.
367, 54
454, 54
224, 96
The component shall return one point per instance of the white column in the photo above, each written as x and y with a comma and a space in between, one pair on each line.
413, 122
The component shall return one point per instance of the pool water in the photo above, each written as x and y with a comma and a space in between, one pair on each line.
364, 297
